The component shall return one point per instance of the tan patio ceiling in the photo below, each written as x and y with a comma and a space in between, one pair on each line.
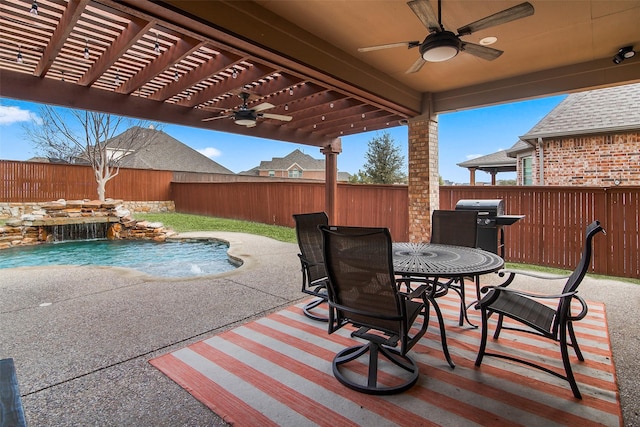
301, 56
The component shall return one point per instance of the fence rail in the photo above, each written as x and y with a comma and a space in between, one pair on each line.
551, 233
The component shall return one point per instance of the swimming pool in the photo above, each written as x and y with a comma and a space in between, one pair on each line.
168, 259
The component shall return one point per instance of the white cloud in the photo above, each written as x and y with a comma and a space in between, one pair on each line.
473, 156
210, 152
11, 115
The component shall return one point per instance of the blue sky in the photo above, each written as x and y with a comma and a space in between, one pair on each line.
462, 135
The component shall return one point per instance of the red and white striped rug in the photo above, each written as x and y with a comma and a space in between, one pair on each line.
277, 371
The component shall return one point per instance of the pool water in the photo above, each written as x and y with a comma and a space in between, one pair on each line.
167, 259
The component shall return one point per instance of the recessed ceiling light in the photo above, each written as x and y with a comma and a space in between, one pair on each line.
488, 40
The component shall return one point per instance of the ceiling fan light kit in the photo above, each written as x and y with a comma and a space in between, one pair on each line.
440, 47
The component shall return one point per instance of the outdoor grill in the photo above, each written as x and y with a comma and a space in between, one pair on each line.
491, 220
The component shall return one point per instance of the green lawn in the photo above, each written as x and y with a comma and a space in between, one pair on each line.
185, 222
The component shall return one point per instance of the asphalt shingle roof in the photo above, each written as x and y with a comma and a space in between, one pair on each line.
498, 160
596, 111
164, 152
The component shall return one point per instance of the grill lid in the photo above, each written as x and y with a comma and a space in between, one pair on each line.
491, 207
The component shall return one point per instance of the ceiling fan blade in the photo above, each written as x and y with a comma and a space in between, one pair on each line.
483, 52
216, 118
516, 12
416, 66
425, 13
276, 117
262, 107
409, 45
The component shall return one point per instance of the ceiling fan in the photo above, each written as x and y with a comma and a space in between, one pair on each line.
441, 45
245, 116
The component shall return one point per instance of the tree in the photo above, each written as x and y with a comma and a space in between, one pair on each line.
384, 162
87, 137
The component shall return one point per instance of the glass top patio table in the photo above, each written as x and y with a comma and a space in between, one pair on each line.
435, 260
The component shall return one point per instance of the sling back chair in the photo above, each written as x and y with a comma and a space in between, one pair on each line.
363, 292
549, 322
314, 274
456, 228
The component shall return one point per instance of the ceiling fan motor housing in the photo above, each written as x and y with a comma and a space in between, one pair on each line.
440, 46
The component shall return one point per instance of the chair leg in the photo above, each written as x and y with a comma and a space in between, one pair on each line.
310, 306
496, 334
574, 342
443, 333
483, 339
567, 364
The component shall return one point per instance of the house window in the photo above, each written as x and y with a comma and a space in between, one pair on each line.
295, 173
272, 173
527, 171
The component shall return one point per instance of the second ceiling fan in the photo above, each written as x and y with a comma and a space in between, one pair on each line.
245, 116
441, 45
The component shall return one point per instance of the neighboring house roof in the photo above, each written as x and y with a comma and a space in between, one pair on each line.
47, 160
595, 111
343, 176
163, 152
495, 162
518, 148
296, 157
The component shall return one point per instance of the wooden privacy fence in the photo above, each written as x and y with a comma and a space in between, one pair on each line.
275, 203
551, 233
42, 182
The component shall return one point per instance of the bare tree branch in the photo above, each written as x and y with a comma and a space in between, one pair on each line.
100, 140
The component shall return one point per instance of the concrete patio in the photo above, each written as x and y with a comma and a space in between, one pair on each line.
83, 359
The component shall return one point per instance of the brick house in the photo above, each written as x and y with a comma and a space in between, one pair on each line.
296, 165
590, 139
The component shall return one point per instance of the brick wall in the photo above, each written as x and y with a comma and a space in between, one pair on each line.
595, 160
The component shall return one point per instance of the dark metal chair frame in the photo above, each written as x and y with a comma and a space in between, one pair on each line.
363, 292
554, 324
458, 228
314, 273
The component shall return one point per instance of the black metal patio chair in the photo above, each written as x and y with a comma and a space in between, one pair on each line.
363, 292
458, 228
554, 323
314, 274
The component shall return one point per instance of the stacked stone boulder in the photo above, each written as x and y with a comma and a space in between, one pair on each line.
33, 228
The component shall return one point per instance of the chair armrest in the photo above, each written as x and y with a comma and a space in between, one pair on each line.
532, 274
486, 289
583, 312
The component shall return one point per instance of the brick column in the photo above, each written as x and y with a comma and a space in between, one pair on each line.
424, 180
331, 152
